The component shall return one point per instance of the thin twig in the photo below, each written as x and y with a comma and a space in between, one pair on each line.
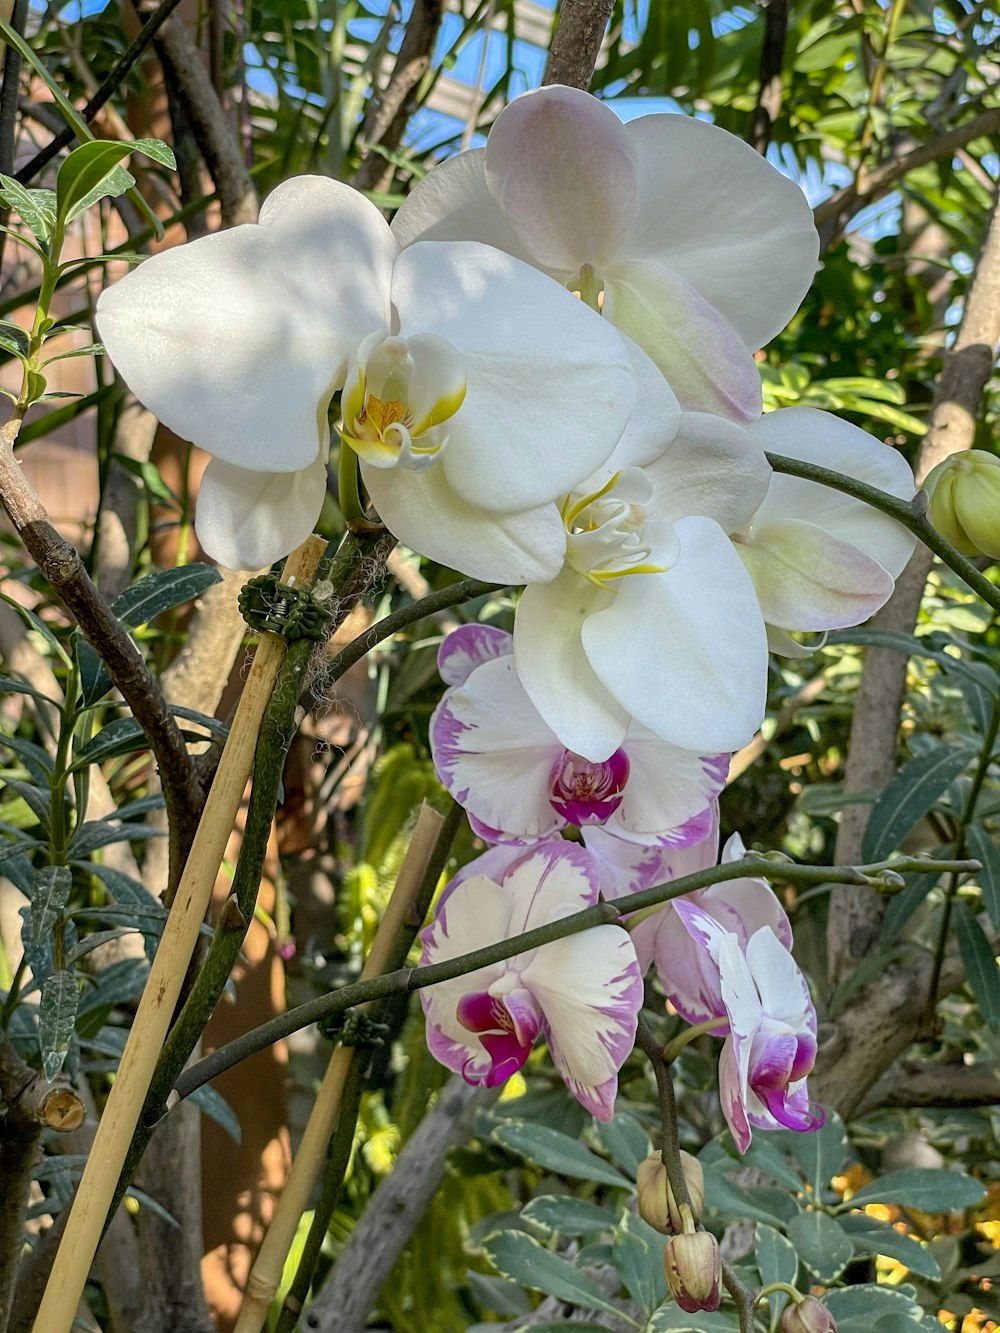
772, 65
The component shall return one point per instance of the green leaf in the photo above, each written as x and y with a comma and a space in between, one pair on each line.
118, 181
37, 799
161, 591
56, 1020
727, 1198
99, 833
637, 1250
95, 679
870, 1236
671, 1317
121, 736
556, 1152
910, 794
519, 1257
566, 1215
35, 208
820, 1154
979, 963
92, 349
49, 896
776, 1261
14, 339
984, 848
625, 1141
10, 685
215, 1106
85, 171
866, 1302
822, 1245
767, 1158
926, 1188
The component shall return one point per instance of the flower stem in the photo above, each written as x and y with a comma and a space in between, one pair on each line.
673, 1048
910, 513
348, 486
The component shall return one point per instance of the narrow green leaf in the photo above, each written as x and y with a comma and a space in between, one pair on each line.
162, 591
10, 685
35, 208
14, 339
118, 181
822, 1245
519, 1256
95, 679
49, 896
121, 736
637, 1251
910, 794
984, 848
556, 1152
215, 1106
566, 1215
980, 964
92, 349
99, 833
929, 1189
86, 173
56, 1020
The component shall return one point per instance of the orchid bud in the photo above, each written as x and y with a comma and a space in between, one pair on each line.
964, 494
693, 1267
657, 1204
807, 1316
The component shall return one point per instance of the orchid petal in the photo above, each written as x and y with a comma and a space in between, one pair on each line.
652, 426
555, 670
628, 867
715, 468
697, 349
739, 984
807, 579
423, 511
248, 520
494, 754
733, 1091
550, 881
783, 990
667, 786
550, 388
590, 990
725, 220
562, 168
238, 340
470, 646
699, 624
453, 203
811, 436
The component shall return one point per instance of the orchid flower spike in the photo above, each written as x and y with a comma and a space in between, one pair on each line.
474, 390
687, 239
519, 783
583, 993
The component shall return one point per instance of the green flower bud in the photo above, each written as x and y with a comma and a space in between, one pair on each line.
657, 1205
964, 493
693, 1267
807, 1316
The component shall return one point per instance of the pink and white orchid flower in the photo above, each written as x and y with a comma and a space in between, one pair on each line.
475, 390
693, 244
583, 993
762, 1003
519, 783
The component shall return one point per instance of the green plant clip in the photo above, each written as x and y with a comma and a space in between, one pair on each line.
278, 608
356, 1029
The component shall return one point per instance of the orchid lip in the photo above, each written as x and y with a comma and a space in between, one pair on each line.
587, 793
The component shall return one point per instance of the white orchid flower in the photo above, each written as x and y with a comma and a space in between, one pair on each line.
693, 244
518, 782
653, 618
583, 992
474, 389
763, 1004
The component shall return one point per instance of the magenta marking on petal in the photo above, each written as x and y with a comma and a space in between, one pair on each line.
587, 793
507, 1056
771, 1060
805, 1056
481, 1012
469, 646
792, 1117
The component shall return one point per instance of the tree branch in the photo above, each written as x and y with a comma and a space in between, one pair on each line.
908, 155
62, 566
219, 145
772, 65
390, 110
577, 42
941, 1084
854, 923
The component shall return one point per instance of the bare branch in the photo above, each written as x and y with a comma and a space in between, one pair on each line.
577, 42
772, 64
219, 144
908, 155
943, 1084
389, 111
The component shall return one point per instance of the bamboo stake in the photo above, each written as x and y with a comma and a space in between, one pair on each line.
159, 997
268, 1267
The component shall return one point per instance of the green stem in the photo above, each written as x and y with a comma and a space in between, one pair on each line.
673, 1048
966, 818
910, 513
405, 980
348, 489
775, 1287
